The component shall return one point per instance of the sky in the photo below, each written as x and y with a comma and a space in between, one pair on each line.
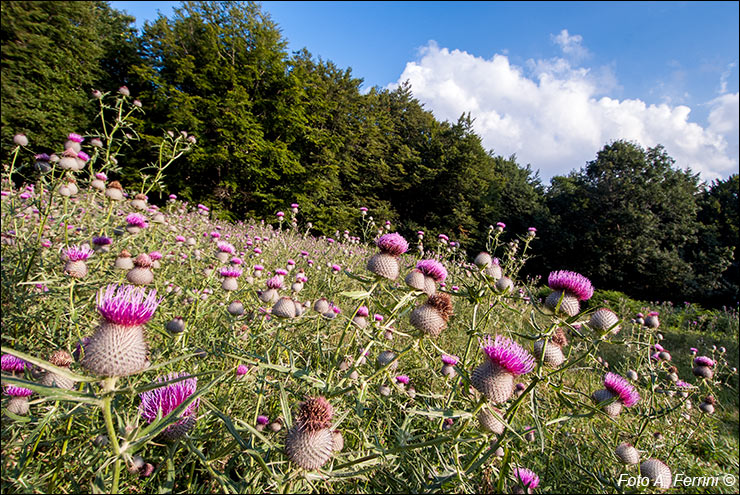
549, 82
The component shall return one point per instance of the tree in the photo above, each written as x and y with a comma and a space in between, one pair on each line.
53, 55
628, 221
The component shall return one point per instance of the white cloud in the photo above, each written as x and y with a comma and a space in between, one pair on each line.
557, 116
571, 45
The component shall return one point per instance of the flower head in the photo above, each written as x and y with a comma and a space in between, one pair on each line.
508, 354
163, 400
241, 369
432, 268
75, 138
102, 241
315, 413
225, 247
527, 478
703, 361
16, 391
621, 387
137, 220
262, 420
274, 283
12, 363
572, 282
449, 360
127, 305
393, 244
363, 311
230, 272
683, 384
77, 253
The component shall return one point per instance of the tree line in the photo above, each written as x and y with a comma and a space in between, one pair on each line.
275, 128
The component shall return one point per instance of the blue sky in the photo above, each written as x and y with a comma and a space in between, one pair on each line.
551, 82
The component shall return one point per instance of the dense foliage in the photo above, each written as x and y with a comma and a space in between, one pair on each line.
275, 128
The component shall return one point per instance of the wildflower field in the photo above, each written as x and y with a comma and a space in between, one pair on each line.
149, 347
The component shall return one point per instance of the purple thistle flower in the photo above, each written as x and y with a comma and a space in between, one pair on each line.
280, 214
507, 354
653, 313
42, 157
658, 348
304, 253
258, 268
393, 244
274, 283
655, 356
281, 271
378, 317
703, 361
12, 363
694, 350
214, 234
236, 261
403, 379
683, 384
501, 225
173, 197
527, 478
164, 400
621, 387
363, 311
137, 220
83, 156
291, 262
75, 138
294, 205
257, 250
572, 282
225, 247
230, 272
241, 370
102, 241
77, 253
127, 305
101, 176
16, 391
155, 255
432, 268
262, 420
449, 360
179, 238
336, 268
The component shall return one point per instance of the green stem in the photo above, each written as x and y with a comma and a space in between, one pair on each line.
109, 385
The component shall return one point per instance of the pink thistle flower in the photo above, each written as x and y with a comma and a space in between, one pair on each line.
694, 350
527, 478
449, 360
46, 243
258, 268
703, 361
225, 247
155, 255
281, 271
378, 318
304, 253
655, 356
101, 176
102, 241
179, 238
572, 282
501, 225
257, 250
363, 311
393, 244
77, 253
262, 420
274, 283
404, 379
24, 195
137, 220
658, 348
75, 138
336, 268
127, 305
215, 235
162, 401
443, 237
16, 391
683, 384
621, 387
241, 370
83, 156
432, 268
291, 262
12, 363
230, 272
280, 214
507, 354
236, 261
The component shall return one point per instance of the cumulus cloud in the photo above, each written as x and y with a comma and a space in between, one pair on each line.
557, 116
571, 45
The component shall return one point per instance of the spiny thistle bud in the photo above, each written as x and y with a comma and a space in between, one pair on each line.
703, 367
310, 442
627, 454
114, 192
504, 284
604, 320
652, 321
483, 260
432, 316
175, 325
553, 353
284, 308
657, 472
124, 261
63, 359
141, 274
235, 308
386, 357
489, 422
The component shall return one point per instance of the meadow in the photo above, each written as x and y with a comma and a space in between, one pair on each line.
151, 347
